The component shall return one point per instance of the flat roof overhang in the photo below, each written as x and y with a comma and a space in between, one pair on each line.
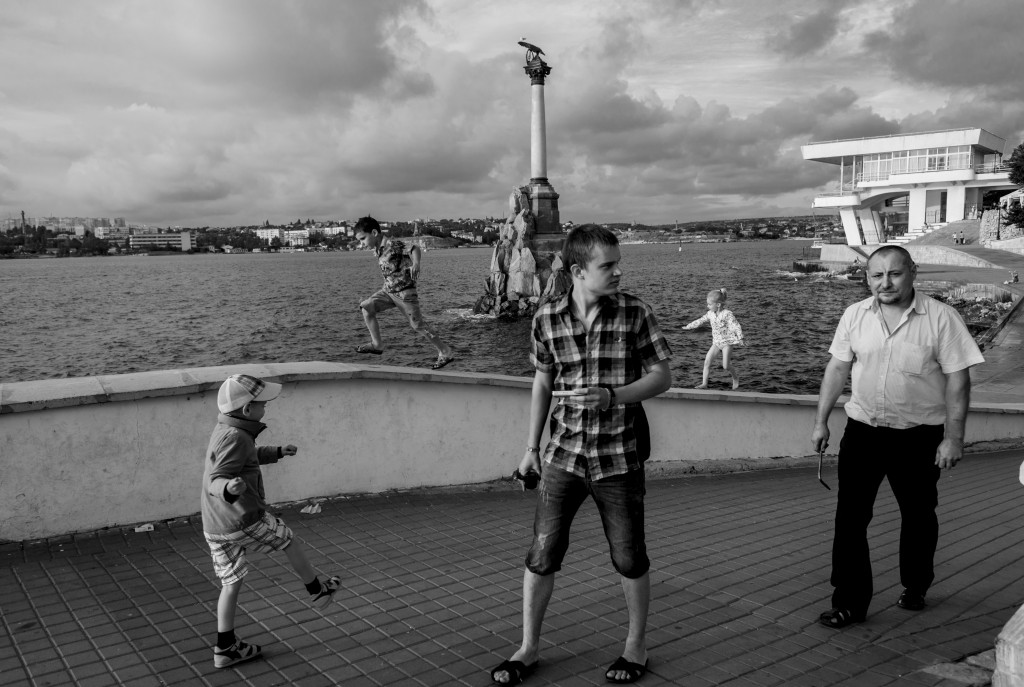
848, 200
832, 152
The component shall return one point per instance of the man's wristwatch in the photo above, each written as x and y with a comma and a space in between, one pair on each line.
611, 397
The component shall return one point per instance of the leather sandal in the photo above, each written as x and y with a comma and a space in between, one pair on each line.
838, 618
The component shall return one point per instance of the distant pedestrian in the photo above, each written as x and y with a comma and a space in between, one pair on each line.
401, 269
601, 352
910, 357
235, 519
725, 333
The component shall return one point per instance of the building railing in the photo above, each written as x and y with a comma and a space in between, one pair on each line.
992, 168
884, 176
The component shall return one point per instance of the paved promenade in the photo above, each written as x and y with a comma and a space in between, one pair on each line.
432, 592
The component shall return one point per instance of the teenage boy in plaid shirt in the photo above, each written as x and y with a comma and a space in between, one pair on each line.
591, 349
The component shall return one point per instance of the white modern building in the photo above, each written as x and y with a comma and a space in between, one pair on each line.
936, 177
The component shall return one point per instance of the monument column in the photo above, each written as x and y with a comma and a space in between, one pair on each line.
543, 199
538, 131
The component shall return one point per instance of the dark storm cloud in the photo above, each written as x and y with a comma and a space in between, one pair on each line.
809, 34
262, 53
1005, 119
286, 54
694, 151
957, 43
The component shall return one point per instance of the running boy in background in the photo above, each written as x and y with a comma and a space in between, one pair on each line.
601, 352
401, 268
234, 509
725, 333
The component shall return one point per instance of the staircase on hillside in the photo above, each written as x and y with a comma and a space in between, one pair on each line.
914, 234
942, 234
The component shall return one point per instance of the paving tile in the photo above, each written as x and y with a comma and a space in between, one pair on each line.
433, 592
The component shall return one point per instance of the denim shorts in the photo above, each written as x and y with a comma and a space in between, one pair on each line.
620, 501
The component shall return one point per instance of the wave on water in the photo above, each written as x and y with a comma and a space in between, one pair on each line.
468, 314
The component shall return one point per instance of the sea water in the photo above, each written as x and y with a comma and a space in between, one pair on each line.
90, 316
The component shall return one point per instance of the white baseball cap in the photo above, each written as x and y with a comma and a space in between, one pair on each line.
237, 390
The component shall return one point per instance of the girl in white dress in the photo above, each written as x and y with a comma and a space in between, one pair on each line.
725, 333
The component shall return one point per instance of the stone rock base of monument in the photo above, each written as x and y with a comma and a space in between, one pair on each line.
521, 281
526, 267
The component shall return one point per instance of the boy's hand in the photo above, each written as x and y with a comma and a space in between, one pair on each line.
590, 397
530, 461
414, 270
236, 487
289, 450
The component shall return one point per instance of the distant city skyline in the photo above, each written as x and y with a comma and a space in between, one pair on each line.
230, 113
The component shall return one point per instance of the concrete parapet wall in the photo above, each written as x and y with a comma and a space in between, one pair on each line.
1015, 245
86, 453
923, 255
940, 255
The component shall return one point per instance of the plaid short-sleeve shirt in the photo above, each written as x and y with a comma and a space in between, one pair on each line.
623, 340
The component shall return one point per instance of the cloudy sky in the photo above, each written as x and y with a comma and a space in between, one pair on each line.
229, 112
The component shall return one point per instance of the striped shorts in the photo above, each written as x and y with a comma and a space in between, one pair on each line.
228, 550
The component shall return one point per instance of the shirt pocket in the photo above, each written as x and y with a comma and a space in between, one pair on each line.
912, 359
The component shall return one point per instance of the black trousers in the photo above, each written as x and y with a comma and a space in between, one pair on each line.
906, 457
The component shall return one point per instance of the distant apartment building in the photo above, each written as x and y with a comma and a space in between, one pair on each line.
185, 240
114, 233
296, 237
333, 231
937, 176
270, 233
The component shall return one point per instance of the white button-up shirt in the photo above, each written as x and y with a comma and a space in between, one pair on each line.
899, 377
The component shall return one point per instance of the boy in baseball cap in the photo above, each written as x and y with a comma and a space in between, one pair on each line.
235, 519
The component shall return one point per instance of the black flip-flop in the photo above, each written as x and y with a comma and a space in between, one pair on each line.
634, 671
368, 348
517, 672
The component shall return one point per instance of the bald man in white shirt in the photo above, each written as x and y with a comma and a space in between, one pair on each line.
909, 356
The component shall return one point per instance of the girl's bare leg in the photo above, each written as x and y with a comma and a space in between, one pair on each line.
712, 352
729, 367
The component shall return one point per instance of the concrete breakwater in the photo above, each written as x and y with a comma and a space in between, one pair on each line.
86, 453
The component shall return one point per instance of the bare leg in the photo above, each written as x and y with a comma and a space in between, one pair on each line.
638, 599
226, 605
536, 595
296, 553
728, 367
707, 365
370, 318
427, 331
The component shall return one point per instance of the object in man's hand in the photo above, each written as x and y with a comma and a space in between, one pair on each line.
529, 480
